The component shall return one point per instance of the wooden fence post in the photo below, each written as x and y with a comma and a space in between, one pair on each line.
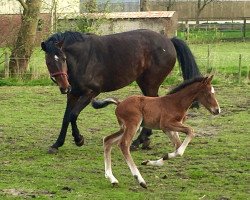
239, 77
208, 59
244, 28
186, 30
6, 64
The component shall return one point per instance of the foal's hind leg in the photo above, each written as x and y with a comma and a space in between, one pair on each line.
124, 145
174, 137
107, 144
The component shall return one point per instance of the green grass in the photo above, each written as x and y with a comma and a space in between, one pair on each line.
214, 35
214, 166
223, 62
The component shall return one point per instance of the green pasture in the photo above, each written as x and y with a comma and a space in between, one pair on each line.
222, 59
215, 165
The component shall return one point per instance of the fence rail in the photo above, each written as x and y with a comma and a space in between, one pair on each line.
234, 66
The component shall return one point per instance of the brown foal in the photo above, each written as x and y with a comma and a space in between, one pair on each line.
166, 113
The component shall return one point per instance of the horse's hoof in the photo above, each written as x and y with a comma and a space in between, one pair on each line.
145, 144
52, 150
143, 185
134, 147
80, 143
145, 162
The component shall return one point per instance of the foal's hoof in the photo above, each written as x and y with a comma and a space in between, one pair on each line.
80, 143
115, 184
143, 185
145, 162
52, 150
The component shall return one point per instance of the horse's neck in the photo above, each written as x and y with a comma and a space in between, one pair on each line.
185, 97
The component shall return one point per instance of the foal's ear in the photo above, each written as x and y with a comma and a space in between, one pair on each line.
210, 78
207, 80
59, 44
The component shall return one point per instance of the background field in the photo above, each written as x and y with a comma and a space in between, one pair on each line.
212, 49
214, 166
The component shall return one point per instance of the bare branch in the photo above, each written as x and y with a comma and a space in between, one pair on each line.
24, 5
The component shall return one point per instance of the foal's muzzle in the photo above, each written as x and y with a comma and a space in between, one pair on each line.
215, 111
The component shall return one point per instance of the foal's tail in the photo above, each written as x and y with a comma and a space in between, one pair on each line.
103, 103
186, 59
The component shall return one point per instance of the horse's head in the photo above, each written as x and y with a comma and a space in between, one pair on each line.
207, 96
57, 66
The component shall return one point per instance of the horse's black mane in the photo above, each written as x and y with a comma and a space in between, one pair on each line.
66, 37
185, 84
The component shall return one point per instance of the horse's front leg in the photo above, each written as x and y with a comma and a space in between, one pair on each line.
71, 101
82, 102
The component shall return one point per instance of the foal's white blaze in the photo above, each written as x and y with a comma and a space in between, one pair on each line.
212, 90
56, 58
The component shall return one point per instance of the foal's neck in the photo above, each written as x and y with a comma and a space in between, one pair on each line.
185, 97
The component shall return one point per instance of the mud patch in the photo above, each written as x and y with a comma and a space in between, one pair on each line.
26, 194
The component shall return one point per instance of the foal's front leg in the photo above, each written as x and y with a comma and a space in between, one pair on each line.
177, 127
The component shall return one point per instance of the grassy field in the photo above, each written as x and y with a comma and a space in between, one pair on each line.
223, 61
214, 166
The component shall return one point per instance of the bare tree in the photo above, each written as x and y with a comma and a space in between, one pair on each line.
144, 5
170, 4
201, 4
24, 44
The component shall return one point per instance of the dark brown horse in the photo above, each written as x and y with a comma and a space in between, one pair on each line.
165, 113
84, 65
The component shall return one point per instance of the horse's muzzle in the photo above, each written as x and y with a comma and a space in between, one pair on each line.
65, 90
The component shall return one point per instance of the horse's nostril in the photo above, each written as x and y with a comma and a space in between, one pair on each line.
63, 91
69, 89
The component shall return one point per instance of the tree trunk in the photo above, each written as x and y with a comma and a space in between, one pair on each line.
24, 45
143, 5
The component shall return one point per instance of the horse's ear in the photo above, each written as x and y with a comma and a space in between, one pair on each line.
59, 44
43, 46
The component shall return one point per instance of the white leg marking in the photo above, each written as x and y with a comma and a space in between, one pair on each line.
107, 160
157, 163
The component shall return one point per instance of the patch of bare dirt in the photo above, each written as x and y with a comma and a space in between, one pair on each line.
25, 194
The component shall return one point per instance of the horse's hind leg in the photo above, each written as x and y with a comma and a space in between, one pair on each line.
107, 144
148, 89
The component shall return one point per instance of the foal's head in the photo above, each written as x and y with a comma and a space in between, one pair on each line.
206, 96
57, 66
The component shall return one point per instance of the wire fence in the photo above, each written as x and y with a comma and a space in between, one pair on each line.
231, 66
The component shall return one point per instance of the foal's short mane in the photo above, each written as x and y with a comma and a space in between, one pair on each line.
66, 37
185, 84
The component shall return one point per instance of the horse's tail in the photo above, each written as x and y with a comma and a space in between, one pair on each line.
186, 59
103, 103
